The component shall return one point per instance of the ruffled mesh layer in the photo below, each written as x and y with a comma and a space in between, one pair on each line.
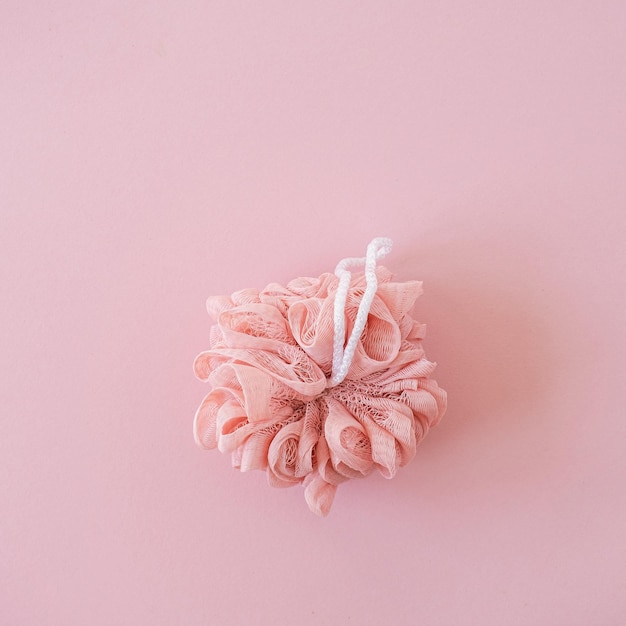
271, 407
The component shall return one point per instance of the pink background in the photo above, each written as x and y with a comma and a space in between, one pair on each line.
156, 153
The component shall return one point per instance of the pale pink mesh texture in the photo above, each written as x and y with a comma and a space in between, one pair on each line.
271, 406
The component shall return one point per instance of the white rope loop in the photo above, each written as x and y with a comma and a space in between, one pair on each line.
342, 358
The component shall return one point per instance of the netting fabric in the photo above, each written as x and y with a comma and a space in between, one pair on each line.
272, 406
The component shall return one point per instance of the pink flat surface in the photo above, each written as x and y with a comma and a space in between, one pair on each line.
156, 153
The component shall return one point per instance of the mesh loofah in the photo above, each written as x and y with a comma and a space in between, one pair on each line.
319, 381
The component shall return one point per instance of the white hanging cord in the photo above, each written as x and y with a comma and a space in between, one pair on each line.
342, 358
